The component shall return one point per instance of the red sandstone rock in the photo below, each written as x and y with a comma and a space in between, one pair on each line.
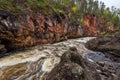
25, 30
28, 30
90, 25
93, 25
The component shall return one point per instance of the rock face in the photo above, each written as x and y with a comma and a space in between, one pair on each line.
25, 30
73, 67
90, 25
93, 25
109, 44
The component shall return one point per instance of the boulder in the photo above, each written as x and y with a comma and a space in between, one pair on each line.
74, 67
106, 44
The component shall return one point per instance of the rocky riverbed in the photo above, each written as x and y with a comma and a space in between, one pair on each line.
59, 61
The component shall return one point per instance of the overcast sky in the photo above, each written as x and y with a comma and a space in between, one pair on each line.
110, 3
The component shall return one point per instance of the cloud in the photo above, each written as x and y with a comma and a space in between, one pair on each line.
109, 3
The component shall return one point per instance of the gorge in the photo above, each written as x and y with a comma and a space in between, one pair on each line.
46, 40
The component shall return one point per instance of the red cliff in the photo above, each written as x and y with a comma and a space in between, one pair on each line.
26, 30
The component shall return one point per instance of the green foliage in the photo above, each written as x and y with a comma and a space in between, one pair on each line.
75, 8
11, 6
8, 5
17, 8
41, 4
57, 10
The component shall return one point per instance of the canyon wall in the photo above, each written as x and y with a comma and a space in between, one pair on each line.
29, 30
26, 30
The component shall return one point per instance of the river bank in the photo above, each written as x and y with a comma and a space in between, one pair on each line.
37, 62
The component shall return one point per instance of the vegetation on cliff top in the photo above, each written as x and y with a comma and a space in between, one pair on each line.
75, 9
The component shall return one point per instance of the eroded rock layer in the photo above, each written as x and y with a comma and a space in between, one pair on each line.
28, 29
106, 44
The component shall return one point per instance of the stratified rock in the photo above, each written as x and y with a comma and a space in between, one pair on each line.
28, 30
90, 25
73, 67
94, 26
106, 44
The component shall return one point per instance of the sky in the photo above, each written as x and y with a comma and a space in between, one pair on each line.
110, 3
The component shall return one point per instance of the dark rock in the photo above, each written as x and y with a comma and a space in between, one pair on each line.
110, 47
2, 49
73, 49
106, 44
73, 67
4, 14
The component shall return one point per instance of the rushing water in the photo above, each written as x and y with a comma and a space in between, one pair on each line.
37, 62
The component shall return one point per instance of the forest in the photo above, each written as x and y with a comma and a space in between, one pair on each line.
76, 9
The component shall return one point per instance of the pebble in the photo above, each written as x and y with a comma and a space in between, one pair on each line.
101, 63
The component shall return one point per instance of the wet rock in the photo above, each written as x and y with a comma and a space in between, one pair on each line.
73, 67
66, 71
106, 67
106, 44
96, 57
110, 48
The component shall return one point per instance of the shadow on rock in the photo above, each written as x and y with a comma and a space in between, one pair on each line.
73, 67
